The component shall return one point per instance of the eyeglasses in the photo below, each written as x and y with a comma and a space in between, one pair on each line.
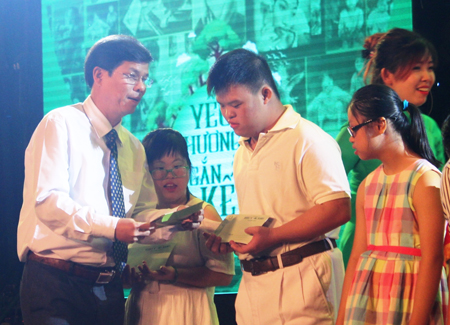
161, 173
352, 130
132, 79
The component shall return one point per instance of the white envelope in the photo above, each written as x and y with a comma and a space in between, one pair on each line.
154, 255
233, 226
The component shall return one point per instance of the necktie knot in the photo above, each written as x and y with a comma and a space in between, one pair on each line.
111, 139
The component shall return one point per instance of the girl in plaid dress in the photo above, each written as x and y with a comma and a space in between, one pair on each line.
395, 273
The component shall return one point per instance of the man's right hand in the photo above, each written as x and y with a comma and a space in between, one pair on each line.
130, 231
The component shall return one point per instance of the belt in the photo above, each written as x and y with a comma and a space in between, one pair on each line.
396, 249
96, 275
262, 265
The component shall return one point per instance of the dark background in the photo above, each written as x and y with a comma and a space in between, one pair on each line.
21, 108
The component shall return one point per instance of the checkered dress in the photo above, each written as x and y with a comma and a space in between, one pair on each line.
383, 286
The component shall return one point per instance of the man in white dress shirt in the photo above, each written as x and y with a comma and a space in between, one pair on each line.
66, 229
290, 170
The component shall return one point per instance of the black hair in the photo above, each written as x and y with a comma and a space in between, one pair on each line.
161, 142
165, 141
446, 135
240, 67
376, 101
110, 52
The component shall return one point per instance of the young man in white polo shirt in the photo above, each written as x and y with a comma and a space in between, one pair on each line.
291, 170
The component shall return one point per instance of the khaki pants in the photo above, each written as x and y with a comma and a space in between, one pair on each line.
305, 293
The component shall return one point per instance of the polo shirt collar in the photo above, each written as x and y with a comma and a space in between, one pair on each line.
288, 120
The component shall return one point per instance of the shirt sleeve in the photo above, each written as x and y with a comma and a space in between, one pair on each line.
47, 172
322, 172
445, 190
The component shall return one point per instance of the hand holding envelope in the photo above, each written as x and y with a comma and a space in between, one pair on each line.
262, 238
130, 231
188, 217
233, 227
239, 233
164, 273
155, 255
145, 258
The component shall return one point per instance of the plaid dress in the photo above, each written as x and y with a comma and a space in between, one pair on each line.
382, 291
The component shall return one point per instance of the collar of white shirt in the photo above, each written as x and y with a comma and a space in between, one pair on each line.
99, 121
288, 120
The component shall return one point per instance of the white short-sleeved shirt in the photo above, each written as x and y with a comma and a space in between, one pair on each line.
294, 166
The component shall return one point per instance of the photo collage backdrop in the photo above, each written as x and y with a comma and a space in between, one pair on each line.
313, 48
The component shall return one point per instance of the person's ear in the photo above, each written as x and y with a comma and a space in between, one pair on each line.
381, 125
387, 76
267, 94
98, 75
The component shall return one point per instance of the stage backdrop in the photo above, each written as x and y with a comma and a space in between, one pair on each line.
313, 48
